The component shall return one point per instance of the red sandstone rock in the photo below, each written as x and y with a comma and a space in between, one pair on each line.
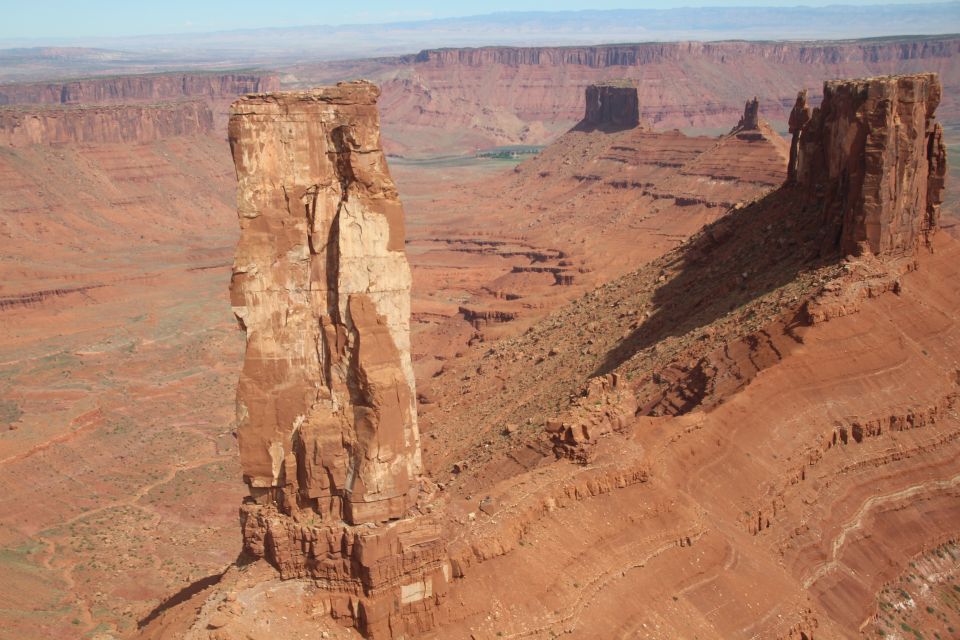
872, 159
510, 95
750, 119
326, 408
611, 105
321, 285
131, 124
138, 88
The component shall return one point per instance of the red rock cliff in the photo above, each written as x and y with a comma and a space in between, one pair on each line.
652, 53
131, 124
873, 160
138, 88
326, 410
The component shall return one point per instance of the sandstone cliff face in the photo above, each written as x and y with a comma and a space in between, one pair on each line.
138, 88
642, 54
326, 409
611, 105
104, 124
873, 160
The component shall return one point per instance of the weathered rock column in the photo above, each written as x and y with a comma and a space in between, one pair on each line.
799, 117
750, 119
327, 421
872, 156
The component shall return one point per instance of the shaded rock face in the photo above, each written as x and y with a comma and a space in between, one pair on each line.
750, 120
872, 158
327, 421
799, 117
611, 106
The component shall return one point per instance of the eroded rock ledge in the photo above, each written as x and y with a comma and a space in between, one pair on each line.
327, 420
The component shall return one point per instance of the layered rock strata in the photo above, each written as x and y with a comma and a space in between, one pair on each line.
138, 88
126, 124
872, 159
612, 105
327, 421
636, 55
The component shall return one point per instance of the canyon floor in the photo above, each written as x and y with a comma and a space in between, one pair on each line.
118, 369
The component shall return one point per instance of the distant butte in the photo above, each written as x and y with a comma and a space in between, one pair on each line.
611, 106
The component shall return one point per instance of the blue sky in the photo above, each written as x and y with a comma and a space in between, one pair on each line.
108, 18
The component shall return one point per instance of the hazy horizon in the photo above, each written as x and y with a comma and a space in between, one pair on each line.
119, 19
67, 27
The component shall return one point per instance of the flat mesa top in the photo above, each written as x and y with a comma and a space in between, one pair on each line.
620, 83
927, 76
356, 92
912, 87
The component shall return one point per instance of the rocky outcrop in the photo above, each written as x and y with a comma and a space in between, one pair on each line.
750, 120
327, 422
138, 88
611, 105
129, 124
872, 160
799, 117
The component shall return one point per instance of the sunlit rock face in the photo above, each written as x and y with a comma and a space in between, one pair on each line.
327, 420
326, 412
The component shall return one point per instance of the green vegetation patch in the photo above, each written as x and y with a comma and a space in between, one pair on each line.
10, 411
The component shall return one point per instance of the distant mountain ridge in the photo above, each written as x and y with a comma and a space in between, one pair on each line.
284, 45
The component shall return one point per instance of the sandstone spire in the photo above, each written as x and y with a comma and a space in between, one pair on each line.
326, 411
872, 157
750, 119
799, 117
326, 414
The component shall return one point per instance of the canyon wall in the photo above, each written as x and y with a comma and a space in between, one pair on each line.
872, 158
650, 53
138, 88
128, 124
510, 95
327, 420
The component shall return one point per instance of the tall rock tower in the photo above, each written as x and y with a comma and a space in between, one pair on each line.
327, 420
872, 157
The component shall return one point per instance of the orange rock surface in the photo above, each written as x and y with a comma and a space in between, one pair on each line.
796, 447
873, 158
138, 88
103, 124
756, 443
326, 412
